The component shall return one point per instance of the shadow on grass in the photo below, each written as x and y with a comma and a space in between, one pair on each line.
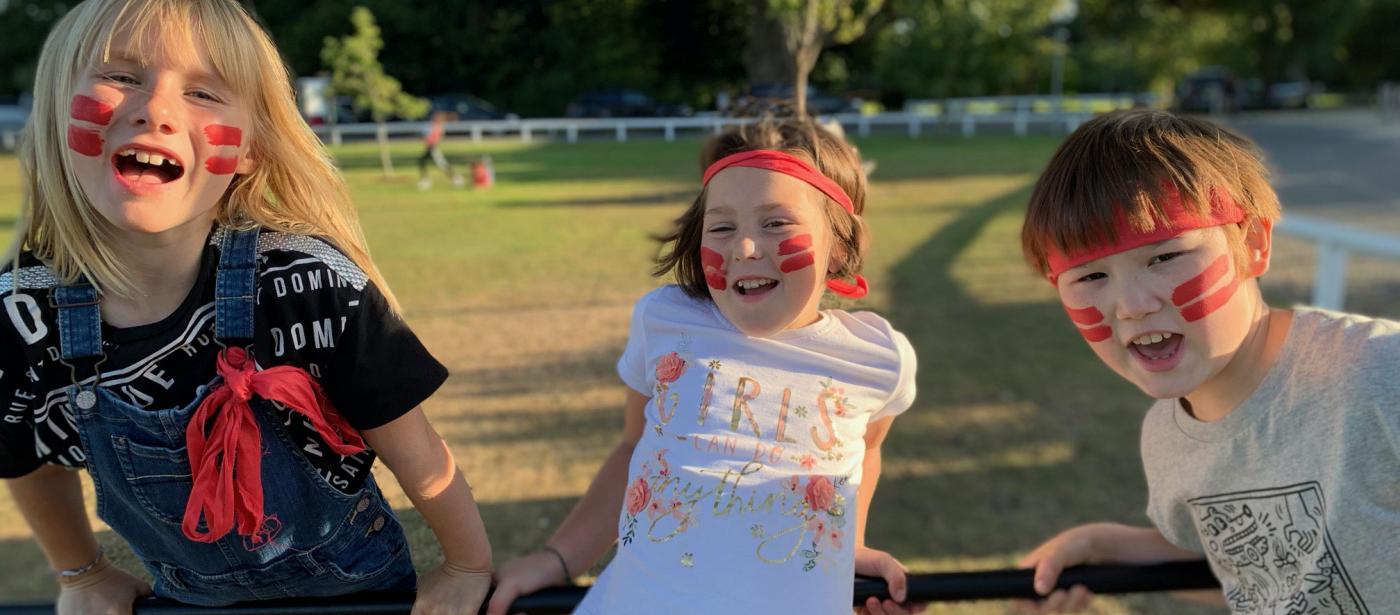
657, 198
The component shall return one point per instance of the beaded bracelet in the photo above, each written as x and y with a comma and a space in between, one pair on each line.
69, 573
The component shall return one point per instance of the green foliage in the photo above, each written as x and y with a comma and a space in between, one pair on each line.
938, 48
355, 71
24, 24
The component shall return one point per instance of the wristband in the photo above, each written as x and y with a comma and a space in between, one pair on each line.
568, 578
69, 573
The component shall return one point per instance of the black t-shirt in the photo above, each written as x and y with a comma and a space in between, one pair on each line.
315, 310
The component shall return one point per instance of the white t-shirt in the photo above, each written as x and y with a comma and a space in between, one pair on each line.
741, 493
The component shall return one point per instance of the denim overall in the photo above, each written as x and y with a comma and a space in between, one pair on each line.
316, 541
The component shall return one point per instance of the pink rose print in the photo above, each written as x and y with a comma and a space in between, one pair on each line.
637, 496
669, 368
655, 509
834, 535
808, 462
820, 493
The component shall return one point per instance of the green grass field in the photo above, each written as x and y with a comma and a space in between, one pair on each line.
524, 293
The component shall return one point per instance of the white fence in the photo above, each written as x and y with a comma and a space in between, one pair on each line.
1335, 243
1018, 121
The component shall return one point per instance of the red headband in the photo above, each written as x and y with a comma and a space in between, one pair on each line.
1223, 210
787, 164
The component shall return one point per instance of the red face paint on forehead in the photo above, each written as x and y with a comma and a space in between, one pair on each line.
221, 165
796, 263
85, 142
1193, 288
794, 245
220, 134
88, 109
713, 264
1211, 303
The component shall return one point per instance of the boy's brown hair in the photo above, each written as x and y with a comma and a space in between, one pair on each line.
1127, 163
828, 153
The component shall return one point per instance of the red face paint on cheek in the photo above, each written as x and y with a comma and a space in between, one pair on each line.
1084, 316
1211, 303
88, 109
713, 264
1089, 316
794, 245
1193, 288
796, 263
220, 134
85, 142
1097, 334
221, 165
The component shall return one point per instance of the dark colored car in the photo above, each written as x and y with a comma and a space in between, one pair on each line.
1212, 89
623, 103
818, 102
467, 107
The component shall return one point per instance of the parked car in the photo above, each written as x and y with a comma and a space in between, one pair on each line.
623, 103
462, 106
1290, 94
1212, 89
763, 96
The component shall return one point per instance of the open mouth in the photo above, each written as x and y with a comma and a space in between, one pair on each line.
145, 167
754, 287
1156, 350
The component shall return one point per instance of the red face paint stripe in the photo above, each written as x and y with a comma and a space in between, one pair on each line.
221, 165
85, 142
220, 134
1215, 301
1097, 334
713, 264
1193, 288
88, 109
794, 245
1084, 316
795, 263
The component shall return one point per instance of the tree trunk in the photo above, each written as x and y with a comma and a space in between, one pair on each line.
382, 136
767, 57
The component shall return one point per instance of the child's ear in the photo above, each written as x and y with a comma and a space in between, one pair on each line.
1258, 243
837, 260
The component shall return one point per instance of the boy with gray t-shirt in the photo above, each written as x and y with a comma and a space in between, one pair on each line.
1274, 447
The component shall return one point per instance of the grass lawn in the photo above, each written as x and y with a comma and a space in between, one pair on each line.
524, 293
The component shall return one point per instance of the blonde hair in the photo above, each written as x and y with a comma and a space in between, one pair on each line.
293, 188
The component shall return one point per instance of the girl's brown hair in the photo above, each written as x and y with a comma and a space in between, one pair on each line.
1127, 163
828, 153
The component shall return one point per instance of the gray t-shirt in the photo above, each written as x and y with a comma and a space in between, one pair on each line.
1294, 496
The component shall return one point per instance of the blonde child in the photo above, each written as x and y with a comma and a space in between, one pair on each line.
193, 317
1274, 446
753, 419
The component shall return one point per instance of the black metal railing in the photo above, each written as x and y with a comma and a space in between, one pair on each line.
936, 587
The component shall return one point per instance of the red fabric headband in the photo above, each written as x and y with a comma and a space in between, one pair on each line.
787, 164
1223, 210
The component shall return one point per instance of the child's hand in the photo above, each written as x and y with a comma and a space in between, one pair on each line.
876, 563
451, 590
104, 590
524, 575
1070, 548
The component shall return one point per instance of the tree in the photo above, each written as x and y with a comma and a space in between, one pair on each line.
787, 36
355, 71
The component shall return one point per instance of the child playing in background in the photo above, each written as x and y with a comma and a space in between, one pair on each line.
191, 314
753, 419
1274, 446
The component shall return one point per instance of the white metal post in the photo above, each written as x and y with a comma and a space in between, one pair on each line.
1330, 279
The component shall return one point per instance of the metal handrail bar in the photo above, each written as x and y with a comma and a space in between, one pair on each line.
933, 587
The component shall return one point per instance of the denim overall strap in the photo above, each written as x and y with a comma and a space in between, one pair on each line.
235, 286
79, 322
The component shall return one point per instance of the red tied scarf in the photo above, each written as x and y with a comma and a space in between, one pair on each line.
232, 450
787, 164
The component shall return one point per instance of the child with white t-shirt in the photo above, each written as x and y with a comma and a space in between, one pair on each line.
751, 446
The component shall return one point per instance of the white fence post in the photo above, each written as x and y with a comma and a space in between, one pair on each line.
915, 126
863, 126
1020, 121
571, 133
969, 127
670, 131
1330, 279
525, 133
622, 133
335, 135
476, 133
